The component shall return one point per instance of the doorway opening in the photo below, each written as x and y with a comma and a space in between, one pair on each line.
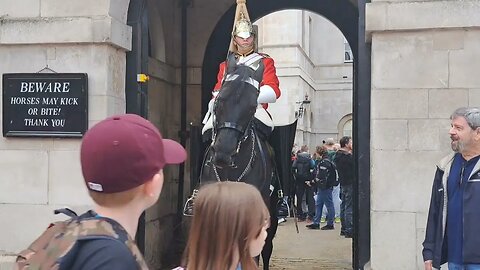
348, 17
314, 64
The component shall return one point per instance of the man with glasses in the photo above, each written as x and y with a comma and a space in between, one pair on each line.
454, 216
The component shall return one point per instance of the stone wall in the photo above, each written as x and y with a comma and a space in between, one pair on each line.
423, 67
43, 174
92, 36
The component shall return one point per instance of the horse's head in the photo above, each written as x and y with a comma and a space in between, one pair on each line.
234, 110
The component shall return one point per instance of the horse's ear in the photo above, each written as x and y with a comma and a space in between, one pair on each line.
231, 62
258, 76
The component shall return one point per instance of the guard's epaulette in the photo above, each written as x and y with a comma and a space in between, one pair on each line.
265, 55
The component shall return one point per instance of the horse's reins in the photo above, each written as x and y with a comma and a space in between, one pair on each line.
264, 159
249, 164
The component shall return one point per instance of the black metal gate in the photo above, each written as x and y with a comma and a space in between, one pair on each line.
136, 94
195, 154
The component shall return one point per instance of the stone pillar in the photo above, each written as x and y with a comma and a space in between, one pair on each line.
424, 57
42, 174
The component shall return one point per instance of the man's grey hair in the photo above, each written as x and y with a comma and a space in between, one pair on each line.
471, 115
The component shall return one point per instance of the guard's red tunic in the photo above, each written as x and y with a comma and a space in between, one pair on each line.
269, 76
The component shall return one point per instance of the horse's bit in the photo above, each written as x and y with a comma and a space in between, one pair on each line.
249, 164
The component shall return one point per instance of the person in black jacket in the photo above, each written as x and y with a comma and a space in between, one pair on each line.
302, 170
324, 181
454, 216
346, 175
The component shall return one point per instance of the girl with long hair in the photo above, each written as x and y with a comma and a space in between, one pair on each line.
228, 229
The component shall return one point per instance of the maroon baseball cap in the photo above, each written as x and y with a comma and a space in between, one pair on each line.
123, 152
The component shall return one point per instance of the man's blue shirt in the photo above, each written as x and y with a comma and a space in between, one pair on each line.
457, 179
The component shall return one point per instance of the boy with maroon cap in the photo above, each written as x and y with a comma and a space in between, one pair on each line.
122, 160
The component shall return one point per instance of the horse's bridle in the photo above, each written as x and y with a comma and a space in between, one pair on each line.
249, 164
232, 125
239, 128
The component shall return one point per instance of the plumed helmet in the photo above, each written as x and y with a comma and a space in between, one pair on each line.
243, 27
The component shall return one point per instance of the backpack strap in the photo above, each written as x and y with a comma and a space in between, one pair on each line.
66, 211
95, 228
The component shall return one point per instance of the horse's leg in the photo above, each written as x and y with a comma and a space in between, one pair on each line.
268, 248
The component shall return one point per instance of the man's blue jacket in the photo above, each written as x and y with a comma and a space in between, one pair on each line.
435, 244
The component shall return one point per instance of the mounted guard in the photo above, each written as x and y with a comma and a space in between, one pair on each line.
240, 127
243, 46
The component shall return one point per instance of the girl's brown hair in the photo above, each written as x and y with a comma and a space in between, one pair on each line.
227, 217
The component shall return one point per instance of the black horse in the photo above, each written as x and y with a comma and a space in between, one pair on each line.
239, 150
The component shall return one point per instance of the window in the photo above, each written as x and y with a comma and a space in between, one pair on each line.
347, 128
348, 52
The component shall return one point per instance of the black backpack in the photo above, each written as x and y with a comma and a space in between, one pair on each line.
325, 173
303, 170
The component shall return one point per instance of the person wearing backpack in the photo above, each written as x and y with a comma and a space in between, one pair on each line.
332, 148
122, 160
302, 170
324, 181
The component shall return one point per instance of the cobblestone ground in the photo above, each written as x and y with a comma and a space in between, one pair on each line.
310, 249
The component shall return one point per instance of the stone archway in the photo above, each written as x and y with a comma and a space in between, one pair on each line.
341, 125
349, 17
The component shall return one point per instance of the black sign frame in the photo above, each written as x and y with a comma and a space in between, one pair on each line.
45, 104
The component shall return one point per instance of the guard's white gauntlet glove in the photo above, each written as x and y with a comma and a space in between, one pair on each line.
266, 95
210, 107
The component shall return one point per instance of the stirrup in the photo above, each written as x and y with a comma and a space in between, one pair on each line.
189, 204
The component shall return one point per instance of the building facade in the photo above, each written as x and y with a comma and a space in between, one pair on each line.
314, 64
